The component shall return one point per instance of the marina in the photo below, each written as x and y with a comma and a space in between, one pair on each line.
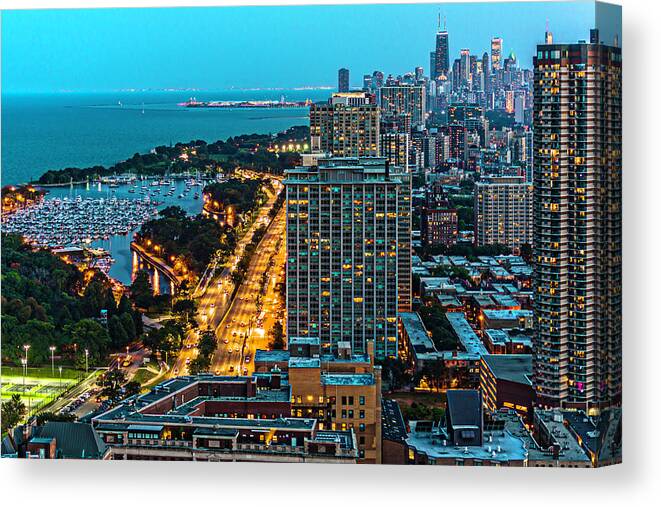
104, 215
74, 222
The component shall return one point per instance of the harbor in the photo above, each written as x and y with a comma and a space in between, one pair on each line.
103, 216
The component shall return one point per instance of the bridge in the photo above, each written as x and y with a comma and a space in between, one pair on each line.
158, 266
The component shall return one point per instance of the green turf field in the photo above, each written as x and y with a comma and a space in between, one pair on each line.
40, 386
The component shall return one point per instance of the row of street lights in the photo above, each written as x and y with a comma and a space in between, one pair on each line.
24, 364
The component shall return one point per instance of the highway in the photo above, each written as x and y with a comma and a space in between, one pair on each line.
214, 303
240, 333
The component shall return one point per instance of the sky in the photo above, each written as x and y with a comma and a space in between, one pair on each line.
259, 47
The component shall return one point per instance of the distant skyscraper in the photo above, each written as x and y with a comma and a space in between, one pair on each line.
419, 73
471, 116
496, 53
486, 73
465, 65
503, 211
348, 238
442, 55
432, 66
343, 80
519, 108
367, 83
377, 78
577, 125
456, 74
346, 126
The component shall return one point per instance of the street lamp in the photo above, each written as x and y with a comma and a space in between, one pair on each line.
87, 353
52, 359
60, 369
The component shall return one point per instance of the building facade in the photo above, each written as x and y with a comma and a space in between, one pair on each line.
503, 211
439, 226
577, 225
405, 99
346, 126
348, 253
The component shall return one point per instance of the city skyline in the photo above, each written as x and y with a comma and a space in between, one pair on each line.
168, 48
422, 270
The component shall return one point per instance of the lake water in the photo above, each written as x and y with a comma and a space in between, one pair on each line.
41, 132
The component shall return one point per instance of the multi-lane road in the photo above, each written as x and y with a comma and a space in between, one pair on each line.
217, 309
243, 329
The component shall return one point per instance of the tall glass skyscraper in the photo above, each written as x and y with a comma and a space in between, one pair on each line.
442, 55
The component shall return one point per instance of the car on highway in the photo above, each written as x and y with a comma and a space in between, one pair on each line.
217, 372
245, 371
188, 360
247, 359
213, 305
175, 371
226, 340
231, 370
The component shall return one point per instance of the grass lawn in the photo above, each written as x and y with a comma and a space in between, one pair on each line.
144, 376
39, 387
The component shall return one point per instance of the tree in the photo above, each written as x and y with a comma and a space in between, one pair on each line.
13, 411
141, 290
436, 374
200, 364
184, 307
126, 321
395, 371
118, 336
207, 344
111, 383
124, 305
131, 388
89, 334
43, 417
277, 337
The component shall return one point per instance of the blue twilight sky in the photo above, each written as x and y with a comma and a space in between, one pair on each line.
245, 47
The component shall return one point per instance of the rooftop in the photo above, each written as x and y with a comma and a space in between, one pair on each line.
470, 341
507, 314
73, 439
343, 379
511, 367
498, 447
392, 423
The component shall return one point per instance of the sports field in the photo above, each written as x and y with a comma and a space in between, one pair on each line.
40, 386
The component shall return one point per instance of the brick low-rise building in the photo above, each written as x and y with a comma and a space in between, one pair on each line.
212, 418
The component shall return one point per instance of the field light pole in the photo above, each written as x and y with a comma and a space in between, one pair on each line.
52, 359
87, 353
60, 369
24, 363
26, 348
